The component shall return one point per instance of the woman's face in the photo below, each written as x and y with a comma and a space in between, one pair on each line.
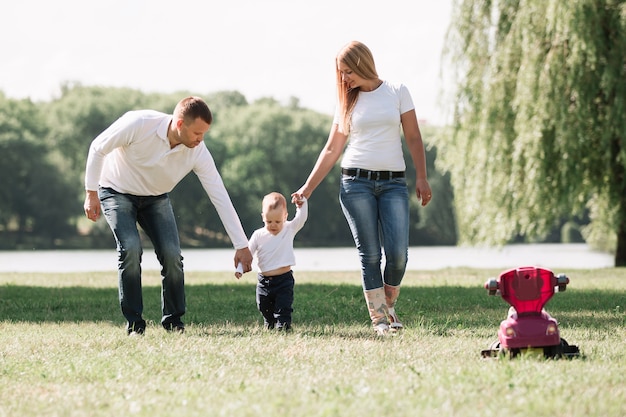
350, 78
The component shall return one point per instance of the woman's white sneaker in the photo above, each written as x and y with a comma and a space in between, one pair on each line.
394, 322
381, 329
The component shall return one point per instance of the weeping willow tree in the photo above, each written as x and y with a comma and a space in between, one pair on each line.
539, 123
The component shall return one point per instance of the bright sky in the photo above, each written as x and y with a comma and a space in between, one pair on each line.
261, 48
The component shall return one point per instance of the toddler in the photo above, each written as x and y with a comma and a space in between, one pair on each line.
272, 246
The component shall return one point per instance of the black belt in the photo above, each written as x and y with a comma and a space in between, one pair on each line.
372, 175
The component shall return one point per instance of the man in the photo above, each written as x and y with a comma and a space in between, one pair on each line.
131, 168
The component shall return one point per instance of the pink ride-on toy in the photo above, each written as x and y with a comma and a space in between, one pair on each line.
528, 327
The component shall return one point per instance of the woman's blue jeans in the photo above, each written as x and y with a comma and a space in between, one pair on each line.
377, 212
155, 216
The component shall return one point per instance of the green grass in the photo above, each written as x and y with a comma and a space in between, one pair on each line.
64, 351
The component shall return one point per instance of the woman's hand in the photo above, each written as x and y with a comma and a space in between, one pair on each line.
423, 191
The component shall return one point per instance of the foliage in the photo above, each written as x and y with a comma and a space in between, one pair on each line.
434, 224
80, 114
258, 147
34, 196
570, 233
539, 126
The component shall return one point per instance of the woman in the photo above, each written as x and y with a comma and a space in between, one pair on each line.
373, 191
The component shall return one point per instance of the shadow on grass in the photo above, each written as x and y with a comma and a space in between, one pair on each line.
440, 309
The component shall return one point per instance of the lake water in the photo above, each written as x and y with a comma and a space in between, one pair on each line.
552, 256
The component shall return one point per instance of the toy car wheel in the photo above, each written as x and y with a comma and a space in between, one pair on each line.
553, 351
568, 350
492, 286
512, 353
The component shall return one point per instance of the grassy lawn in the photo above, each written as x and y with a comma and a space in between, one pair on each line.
64, 350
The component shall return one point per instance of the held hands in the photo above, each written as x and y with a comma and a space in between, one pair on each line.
243, 259
298, 198
423, 191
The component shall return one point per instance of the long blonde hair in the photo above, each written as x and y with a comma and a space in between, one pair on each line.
356, 56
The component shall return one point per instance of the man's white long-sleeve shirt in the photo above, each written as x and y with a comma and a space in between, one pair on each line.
276, 251
133, 156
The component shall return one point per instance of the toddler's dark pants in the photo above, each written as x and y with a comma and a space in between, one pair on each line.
274, 298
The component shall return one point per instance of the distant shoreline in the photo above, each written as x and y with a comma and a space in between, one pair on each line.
553, 256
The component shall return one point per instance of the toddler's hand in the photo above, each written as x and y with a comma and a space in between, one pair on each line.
298, 200
239, 270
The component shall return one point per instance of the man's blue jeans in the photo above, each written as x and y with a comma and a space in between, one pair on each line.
377, 212
155, 216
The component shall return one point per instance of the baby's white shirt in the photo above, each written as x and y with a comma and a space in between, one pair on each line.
276, 251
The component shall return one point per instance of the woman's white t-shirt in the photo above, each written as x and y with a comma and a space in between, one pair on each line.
374, 140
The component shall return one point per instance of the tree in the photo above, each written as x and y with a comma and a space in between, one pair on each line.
539, 132
80, 114
257, 147
36, 200
224, 99
434, 224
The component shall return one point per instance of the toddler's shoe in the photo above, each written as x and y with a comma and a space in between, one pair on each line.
283, 327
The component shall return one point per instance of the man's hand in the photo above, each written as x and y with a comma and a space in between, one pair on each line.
244, 257
92, 205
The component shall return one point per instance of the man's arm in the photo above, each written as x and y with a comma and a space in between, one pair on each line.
212, 183
114, 136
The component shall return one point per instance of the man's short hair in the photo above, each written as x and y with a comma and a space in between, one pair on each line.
190, 108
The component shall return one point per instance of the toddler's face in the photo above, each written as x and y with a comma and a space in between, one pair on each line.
274, 220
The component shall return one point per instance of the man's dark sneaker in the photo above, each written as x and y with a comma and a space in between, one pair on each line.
174, 327
137, 328
269, 326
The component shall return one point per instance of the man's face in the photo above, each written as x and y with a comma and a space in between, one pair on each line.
192, 134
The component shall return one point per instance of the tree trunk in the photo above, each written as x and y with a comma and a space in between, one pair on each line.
619, 175
620, 250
